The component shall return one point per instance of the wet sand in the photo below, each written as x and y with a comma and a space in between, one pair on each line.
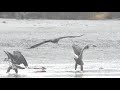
91, 70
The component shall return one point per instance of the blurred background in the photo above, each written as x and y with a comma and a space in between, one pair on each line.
61, 15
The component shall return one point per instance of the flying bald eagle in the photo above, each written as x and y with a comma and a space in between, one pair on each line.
53, 41
16, 59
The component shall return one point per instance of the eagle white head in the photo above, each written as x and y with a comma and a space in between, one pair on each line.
75, 56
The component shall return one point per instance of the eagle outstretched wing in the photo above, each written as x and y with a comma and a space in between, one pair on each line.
53, 41
69, 37
20, 58
36, 45
13, 59
17, 58
77, 50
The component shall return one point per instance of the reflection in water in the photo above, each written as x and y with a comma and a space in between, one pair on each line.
15, 76
78, 74
39, 71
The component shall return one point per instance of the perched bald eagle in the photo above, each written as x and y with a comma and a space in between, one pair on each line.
16, 59
79, 54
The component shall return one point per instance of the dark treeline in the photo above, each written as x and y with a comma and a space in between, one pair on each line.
60, 15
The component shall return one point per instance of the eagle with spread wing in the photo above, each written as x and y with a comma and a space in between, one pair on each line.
16, 59
56, 40
79, 54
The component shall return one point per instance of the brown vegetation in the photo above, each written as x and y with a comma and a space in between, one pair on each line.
60, 15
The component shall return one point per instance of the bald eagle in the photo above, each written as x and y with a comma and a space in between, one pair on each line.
79, 54
16, 59
56, 40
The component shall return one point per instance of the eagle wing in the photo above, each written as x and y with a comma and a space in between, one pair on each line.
20, 58
13, 59
7, 54
23, 60
70, 36
36, 45
76, 49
